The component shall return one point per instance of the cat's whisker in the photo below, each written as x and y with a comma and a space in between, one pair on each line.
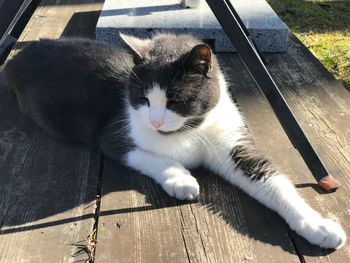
133, 72
116, 122
121, 69
208, 146
121, 130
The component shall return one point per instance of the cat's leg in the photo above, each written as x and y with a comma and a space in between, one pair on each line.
243, 166
175, 179
170, 174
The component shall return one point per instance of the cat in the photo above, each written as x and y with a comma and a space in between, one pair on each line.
161, 106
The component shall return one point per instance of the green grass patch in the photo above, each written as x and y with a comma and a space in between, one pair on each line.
324, 27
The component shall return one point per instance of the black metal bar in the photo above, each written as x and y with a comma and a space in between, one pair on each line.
8, 10
238, 34
14, 28
5, 47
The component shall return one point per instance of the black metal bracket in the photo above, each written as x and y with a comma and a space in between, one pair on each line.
249, 54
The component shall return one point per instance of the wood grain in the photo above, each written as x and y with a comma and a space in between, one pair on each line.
321, 105
47, 188
140, 223
47, 191
306, 85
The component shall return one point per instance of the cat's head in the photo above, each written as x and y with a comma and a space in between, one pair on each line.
174, 82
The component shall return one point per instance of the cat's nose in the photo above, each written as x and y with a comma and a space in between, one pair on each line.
156, 123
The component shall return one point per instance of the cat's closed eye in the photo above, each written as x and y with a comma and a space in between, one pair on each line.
144, 100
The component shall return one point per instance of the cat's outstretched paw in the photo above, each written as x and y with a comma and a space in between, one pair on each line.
183, 187
324, 232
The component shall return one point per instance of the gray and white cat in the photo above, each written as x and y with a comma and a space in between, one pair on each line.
162, 107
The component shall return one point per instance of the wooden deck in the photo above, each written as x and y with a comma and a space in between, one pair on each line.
56, 200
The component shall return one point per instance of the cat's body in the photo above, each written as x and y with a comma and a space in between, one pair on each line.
68, 88
162, 109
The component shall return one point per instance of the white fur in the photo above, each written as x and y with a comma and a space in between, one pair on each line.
175, 179
156, 113
166, 157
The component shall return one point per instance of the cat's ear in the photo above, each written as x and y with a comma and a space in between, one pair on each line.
137, 45
199, 60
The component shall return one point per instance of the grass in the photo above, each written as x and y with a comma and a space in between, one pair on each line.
86, 247
324, 27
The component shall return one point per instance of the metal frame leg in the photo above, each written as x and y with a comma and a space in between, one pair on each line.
239, 36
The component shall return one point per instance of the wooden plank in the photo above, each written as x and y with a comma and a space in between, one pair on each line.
53, 17
266, 130
125, 230
47, 188
140, 223
298, 73
224, 225
47, 191
321, 106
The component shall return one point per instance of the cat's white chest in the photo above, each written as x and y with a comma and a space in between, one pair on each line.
185, 149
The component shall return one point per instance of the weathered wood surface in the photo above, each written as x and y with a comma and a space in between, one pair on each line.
321, 105
54, 19
47, 188
140, 223
269, 137
47, 192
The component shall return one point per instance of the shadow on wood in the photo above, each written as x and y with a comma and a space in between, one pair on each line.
80, 25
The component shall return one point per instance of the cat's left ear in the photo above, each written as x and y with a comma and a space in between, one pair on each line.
199, 60
137, 45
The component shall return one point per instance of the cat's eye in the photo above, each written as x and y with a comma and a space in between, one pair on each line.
144, 100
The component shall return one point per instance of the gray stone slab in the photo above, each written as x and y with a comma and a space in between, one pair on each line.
143, 17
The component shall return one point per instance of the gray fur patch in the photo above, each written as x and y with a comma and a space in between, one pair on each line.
254, 164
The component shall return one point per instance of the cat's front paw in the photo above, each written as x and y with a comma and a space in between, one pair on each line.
183, 187
324, 232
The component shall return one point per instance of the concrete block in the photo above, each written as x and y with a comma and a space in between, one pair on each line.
143, 17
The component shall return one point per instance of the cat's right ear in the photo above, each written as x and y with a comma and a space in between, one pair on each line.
138, 46
199, 60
